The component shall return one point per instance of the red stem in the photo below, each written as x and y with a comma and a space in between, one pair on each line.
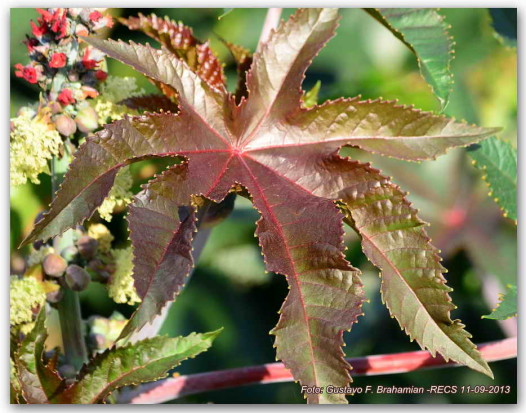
271, 22
177, 387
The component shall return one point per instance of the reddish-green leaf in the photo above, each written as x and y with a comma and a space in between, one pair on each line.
151, 103
180, 40
285, 157
382, 127
243, 59
144, 361
39, 383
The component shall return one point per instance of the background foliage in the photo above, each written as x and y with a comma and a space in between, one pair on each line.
231, 289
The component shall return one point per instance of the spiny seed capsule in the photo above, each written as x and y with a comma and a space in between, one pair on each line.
77, 278
54, 265
65, 125
87, 246
87, 119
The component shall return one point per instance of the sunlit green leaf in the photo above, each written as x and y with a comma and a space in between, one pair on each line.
144, 361
424, 31
497, 160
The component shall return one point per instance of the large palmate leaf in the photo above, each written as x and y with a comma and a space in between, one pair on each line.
498, 161
284, 157
425, 33
144, 361
39, 383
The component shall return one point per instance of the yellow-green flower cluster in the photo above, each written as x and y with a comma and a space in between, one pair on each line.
33, 144
119, 196
112, 91
25, 295
103, 236
13, 376
120, 284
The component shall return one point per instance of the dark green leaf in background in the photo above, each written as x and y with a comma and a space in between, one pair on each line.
507, 306
505, 25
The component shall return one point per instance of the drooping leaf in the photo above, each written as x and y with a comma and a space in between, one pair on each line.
505, 24
424, 31
39, 382
507, 306
498, 161
144, 361
283, 156
180, 40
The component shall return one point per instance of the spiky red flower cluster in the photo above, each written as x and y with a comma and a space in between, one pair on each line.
56, 64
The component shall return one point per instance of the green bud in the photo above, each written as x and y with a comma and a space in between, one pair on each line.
54, 265
77, 278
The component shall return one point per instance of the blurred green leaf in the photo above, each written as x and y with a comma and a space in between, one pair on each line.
241, 264
498, 161
507, 306
425, 33
225, 12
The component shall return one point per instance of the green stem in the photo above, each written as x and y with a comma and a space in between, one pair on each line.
69, 307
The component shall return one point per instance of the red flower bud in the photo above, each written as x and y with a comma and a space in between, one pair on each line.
87, 62
101, 75
38, 31
95, 16
31, 43
47, 16
58, 60
27, 72
66, 97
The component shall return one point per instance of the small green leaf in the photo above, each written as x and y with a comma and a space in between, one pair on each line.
507, 306
424, 31
504, 21
311, 97
498, 161
144, 361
